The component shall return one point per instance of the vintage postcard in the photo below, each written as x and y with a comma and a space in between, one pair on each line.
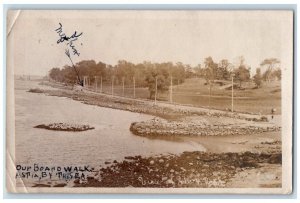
148, 101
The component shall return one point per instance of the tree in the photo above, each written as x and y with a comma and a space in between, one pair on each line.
178, 72
54, 74
277, 73
199, 71
210, 69
223, 70
270, 63
258, 78
159, 72
242, 74
69, 75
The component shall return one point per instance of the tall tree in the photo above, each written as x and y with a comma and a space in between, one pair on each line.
258, 78
210, 69
270, 63
223, 70
242, 74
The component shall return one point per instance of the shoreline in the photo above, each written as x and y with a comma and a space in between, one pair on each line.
163, 110
189, 169
139, 171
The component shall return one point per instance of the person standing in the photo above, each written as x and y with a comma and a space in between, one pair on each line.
272, 112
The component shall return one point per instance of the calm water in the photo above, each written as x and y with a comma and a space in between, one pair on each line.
110, 140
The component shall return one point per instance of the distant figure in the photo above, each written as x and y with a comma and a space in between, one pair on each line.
77, 88
273, 111
81, 83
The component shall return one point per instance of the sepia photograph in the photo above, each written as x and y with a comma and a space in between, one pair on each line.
149, 101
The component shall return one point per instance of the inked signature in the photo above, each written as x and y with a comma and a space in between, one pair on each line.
70, 40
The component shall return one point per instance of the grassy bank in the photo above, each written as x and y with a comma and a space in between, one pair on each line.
194, 92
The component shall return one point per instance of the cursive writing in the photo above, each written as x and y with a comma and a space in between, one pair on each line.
75, 52
63, 37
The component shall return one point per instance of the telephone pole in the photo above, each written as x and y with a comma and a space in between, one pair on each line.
133, 87
171, 91
101, 84
155, 90
112, 85
123, 81
209, 94
232, 93
96, 85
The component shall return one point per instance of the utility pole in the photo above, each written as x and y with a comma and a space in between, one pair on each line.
209, 94
101, 84
112, 85
133, 87
123, 81
171, 92
96, 85
232, 93
84, 81
155, 90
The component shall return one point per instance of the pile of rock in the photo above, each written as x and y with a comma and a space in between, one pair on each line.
189, 169
65, 127
170, 112
160, 127
36, 90
261, 119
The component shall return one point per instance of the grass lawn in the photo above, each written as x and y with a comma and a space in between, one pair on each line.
262, 100
194, 92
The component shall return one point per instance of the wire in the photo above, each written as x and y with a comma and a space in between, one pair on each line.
69, 56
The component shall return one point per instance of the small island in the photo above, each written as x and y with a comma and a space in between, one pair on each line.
65, 127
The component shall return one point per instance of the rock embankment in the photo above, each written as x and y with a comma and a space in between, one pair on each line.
189, 169
160, 127
65, 127
138, 106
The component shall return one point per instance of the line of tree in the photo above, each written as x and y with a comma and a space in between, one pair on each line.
146, 73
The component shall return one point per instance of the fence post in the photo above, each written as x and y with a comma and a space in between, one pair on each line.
84, 81
209, 94
171, 91
232, 93
123, 81
133, 87
112, 85
101, 84
96, 84
155, 90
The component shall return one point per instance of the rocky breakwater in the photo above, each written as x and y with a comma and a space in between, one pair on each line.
161, 127
65, 127
138, 106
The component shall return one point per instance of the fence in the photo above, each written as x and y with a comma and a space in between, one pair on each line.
176, 94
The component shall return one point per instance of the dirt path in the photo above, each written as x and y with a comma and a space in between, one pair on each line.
165, 104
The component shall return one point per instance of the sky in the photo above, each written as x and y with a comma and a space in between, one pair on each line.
136, 36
